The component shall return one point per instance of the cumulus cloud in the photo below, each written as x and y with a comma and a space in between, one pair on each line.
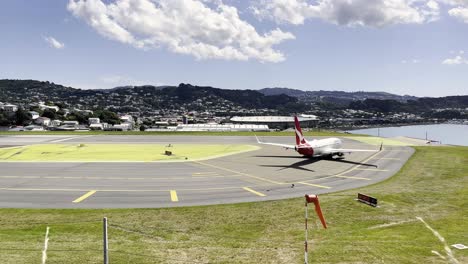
201, 28
455, 61
460, 13
375, 13
54, 43
458, 59
414, 61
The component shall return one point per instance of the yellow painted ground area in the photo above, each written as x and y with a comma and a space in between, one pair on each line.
379, 140
119, 152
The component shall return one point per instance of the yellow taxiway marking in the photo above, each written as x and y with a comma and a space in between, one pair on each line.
254, 192
174, 197
88, 194
370, 169
204, 173
356, 167
315, 185
354, 178
238, 172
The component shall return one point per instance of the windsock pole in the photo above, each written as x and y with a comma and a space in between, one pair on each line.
311, 199
306, 253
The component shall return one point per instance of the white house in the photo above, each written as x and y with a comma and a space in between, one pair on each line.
121, 127
70, 123
9, 108
43, 107
34, 115
93, 120
96, 126
55, 123
42, 121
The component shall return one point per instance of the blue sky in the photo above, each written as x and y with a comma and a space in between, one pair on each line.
408, 48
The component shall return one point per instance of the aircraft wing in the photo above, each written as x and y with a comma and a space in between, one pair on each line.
286, 146
354, 150
351, 150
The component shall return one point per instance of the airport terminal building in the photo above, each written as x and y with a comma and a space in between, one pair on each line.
277, 122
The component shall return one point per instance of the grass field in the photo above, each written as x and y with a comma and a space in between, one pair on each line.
380, 140
433, 185
118, 152
139, 133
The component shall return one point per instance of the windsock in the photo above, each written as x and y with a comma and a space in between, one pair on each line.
312, 198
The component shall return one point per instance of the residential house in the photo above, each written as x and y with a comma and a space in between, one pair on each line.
93, 120
42, 121
10, 108
34, 115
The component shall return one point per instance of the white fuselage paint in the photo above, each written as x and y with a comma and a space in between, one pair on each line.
321, 147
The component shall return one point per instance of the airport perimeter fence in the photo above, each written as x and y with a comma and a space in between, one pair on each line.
85, 242
82, 242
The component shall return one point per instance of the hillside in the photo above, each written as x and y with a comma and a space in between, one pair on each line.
339, 97
187, 97
146, 98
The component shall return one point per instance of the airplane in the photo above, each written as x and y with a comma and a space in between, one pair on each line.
327, 148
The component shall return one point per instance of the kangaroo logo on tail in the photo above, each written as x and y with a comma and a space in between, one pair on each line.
299, 136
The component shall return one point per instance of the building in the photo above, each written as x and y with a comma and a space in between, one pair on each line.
70, 123
42, 106
55, 123
220, 128
277, 122
34, 115
9, 108
42, 121
121, 127
94, 120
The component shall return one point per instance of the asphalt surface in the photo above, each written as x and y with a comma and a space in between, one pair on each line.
266, 174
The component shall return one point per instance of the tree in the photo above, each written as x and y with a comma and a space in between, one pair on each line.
3, 120
22, 118
107, 116
50, 113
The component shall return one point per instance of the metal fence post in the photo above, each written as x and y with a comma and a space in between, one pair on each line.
106, 244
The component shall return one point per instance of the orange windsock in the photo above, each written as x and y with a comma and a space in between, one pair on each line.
311, 198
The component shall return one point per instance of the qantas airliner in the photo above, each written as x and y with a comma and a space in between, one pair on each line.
328, 147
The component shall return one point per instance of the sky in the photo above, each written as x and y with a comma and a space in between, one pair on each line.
415, 47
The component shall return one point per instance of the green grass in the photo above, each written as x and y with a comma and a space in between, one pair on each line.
118, 152
380, 140
432, 185
139, 133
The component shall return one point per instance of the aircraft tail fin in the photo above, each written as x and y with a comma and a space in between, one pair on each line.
297, 128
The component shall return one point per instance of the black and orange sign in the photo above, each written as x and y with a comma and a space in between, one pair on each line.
367, 199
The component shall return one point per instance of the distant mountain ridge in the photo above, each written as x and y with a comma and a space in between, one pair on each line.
335, 96
147, 97
187, 97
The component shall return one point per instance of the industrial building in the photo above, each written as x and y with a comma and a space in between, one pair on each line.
277, 122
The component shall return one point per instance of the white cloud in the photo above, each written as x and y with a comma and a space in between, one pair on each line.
201, 28
455, 61
121, 80
460, 13
414, 61
54, 43
374, 13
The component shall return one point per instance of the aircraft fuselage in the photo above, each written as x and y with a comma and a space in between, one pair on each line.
320, 147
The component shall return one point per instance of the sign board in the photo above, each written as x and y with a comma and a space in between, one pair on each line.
367, 199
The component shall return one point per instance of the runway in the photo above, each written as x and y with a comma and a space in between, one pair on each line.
269, 173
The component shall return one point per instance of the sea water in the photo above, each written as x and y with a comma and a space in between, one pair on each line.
445, 133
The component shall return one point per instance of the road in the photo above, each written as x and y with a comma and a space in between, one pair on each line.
269, 173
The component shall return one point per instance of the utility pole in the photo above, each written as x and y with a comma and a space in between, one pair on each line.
105, 240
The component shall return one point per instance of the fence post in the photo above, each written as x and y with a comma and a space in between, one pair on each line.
306, 250
106, 244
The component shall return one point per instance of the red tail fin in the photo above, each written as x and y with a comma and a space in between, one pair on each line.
299, 136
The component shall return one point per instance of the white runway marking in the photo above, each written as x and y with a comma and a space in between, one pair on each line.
68, 138
441, 239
